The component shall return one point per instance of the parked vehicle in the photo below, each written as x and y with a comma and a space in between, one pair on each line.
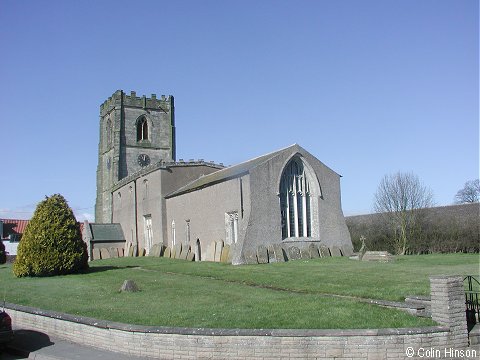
6, 332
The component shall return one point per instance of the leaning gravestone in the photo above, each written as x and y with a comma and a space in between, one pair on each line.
135, 250
190, 256
346, 250
335, 251
262, 255
178, 251
167, 253
276, 253
218, 250
294, 253
224, 258
313, 251
151, 252
184, 253
129, 286
104, 253
130, 250
113, 252
96, 254
251, 257
323, 251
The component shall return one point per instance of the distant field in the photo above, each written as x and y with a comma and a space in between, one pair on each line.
319, 293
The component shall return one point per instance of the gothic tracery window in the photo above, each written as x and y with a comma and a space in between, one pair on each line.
142, 129
295, 201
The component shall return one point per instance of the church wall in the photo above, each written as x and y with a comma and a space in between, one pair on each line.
143, 197
206, 209
265, 208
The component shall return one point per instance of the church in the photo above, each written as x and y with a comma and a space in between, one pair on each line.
286, 198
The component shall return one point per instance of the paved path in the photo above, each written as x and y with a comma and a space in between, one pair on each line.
28, 344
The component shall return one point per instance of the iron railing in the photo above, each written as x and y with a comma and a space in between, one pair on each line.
472, 303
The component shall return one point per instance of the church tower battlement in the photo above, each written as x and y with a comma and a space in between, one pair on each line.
134, 133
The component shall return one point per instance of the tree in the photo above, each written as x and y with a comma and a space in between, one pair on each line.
470, 192
52, 243
399, 198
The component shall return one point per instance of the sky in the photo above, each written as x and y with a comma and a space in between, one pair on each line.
368, 87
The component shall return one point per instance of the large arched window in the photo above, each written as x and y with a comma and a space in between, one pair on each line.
295, 200
142, 129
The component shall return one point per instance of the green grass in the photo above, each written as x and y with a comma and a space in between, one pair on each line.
300, 294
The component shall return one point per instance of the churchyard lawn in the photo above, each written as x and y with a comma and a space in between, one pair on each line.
321, 293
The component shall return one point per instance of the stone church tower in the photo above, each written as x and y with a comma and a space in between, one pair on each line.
134, 133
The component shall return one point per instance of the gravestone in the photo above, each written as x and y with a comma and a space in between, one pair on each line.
129, 286
346, 250
218, 250
335, 251
305, 253
262, 255
275, 253
104, 253
224, 258
113, 252
168, 252
135, 250
178, 250
184, 253
251, 257
381, 256
151, 252
141, 251
210, 255
96, 254
294, 253
120, 252
130, 250
323, 251
154, 250
313, 251
190, 256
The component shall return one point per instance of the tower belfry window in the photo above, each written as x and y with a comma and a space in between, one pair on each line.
142, 129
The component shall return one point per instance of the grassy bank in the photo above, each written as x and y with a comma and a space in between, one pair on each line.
290, 295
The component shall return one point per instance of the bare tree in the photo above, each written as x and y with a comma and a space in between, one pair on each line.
399, 198
470, 192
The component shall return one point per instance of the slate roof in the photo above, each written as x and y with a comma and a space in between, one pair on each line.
228, 173
107, 232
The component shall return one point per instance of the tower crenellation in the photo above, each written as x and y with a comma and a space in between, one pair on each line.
165, 102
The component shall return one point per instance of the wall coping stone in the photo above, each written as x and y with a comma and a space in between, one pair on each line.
105, 324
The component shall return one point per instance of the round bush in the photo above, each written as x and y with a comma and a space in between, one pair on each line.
52, 243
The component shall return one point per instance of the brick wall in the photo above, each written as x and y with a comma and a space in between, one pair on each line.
187, 343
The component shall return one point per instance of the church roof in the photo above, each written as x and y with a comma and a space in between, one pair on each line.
228, 173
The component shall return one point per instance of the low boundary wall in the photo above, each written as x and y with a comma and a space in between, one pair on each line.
191, 343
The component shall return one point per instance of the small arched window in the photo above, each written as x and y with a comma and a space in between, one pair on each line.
142, 129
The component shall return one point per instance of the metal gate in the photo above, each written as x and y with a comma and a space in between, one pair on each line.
472, 304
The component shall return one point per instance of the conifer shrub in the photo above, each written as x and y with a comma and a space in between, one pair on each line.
52, 243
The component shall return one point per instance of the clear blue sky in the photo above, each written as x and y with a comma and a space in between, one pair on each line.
368, 87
